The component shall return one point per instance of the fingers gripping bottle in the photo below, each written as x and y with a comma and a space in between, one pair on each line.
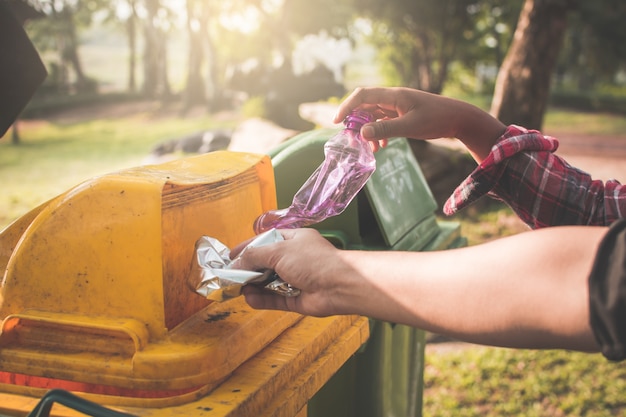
348, 164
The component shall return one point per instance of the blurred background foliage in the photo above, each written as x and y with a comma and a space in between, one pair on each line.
263, 58
219, 54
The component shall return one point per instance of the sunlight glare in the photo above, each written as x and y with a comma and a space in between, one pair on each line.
245, 21
178, 9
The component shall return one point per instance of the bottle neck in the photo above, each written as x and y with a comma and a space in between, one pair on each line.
356, 119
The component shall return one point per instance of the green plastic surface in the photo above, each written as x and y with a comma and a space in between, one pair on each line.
395, 211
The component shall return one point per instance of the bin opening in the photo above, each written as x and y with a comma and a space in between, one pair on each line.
94, 296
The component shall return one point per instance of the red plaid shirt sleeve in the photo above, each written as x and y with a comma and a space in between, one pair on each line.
542, 188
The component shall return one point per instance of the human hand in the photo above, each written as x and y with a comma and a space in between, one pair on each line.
306, 261
406, 112
399, 112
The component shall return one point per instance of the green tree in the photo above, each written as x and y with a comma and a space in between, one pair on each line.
280, 25
523, 84
58, 32
155, 27
488, 38
418, 39
595, 45
254, 36
198, 13
123, 15
131, 34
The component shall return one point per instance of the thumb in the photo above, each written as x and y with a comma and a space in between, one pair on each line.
384, 129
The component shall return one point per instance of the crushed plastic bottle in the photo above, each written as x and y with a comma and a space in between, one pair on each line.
348, 163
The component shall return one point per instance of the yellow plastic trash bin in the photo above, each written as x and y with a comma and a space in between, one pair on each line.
94, 301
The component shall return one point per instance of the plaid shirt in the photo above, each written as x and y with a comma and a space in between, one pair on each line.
542, 188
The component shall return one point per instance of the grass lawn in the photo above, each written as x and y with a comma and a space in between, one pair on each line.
585, 123
57, 154
492, 382
488, 382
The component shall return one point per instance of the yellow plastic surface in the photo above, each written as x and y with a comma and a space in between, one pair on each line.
94, 297
277, 382
112, 235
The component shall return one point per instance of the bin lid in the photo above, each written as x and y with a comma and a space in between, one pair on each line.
398, 192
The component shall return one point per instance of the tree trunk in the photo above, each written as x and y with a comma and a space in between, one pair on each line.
131, 32
194, 93
156, 83
68, 47
423, 67
523, 84
436, 43
15, 134
214, 89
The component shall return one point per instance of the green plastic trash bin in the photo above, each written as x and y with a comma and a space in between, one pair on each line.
394, 211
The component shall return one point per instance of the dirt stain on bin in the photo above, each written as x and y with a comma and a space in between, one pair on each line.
217, 317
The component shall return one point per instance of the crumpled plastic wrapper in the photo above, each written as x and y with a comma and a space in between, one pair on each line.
214, 277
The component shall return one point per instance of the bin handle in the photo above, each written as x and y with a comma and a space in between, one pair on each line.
132, 329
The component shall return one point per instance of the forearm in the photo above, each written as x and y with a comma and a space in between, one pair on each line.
529, 290
405, 112
477, 129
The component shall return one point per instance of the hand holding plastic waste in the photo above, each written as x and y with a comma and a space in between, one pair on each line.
348, 163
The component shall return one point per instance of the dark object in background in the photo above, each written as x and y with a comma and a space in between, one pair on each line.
199, 142
21, 69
